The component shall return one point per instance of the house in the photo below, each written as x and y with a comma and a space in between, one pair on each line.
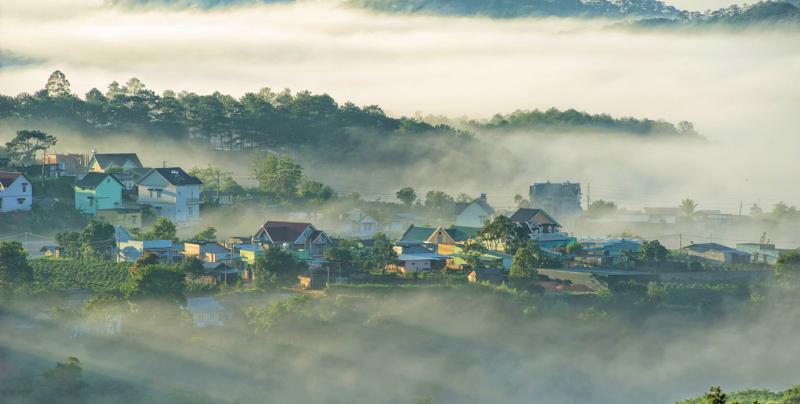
663, 215
216, 273
132, 249
206, 311
359, 224
562, 200
718, 252
58, 165
296, 236
765, 253
314, 279
490, 275
103, 162
440, 235
51, 251
16, 192
417, 258
610, 246
206, 251
473, 214
97, 191
399, 222
172, 193
541, 227
121, 217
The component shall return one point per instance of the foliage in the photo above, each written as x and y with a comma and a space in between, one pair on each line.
66, 379
65, 273
763, 396
406, 195
554, 120
278, 313
342, 257
652, 251
277, 175
688, 206
157, 281
208, 234
163, 229
27, 142
439, 201
147, 258
574, 247
788, 265
276, 267
600, 208
216, 179
95, 240
523, 265
382, 252
14, 267
501, 231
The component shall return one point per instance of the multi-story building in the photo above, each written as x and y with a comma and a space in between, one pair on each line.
16, 192
172, 193
561, 200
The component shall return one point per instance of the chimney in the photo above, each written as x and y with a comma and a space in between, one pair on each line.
483, 196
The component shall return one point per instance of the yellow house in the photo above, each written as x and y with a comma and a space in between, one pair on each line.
101, 162
130, 218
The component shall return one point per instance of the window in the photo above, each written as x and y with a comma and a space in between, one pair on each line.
20, 200
190, 210
91, 201
24, 187
151, 193
158, 194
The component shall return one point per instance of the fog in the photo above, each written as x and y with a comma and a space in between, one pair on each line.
454, 346
734, 86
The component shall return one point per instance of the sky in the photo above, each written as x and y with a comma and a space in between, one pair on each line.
733, 86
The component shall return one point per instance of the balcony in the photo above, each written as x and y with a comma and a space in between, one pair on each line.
192, 201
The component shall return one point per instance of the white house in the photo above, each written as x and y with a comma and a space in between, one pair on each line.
15, 192
172, 193
359, 224
206, 311
102, 162
475, 213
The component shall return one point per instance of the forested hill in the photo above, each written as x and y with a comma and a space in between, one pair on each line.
526, 8
279, 120
765, 13
554, 120
638, 13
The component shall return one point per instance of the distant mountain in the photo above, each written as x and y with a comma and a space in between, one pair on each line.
525, 8
762, 13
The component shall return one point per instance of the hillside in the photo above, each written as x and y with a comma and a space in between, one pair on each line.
283, 120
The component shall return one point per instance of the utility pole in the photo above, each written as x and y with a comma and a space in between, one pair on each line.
588, 194
740, 207
680, 241
217, 186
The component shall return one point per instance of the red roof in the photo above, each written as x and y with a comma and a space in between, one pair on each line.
284, 232
7, 177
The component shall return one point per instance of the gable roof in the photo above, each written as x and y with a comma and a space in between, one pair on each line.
8, 177
118, 159
176, 176
92, 179
357, 215
462, 233
284, 232
417, 233
462, 206
705, 247
525, 215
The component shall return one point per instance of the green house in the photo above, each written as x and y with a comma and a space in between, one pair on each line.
98, 191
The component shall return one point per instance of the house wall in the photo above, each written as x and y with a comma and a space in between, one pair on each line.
107, 195
180, 204
415, 265
126, 219
17, 196
472, 216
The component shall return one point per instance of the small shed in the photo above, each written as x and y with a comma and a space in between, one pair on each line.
206, 311
51, 251
491, 275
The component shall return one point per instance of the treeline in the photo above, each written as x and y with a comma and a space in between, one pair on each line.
761, 13
554, 120
763, 396
262, 119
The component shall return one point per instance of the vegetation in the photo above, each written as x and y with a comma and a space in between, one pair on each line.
27, 143
64, 273
716, 395
276, 267
95, 240
554, 120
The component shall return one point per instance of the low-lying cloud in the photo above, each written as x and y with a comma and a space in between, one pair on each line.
736, 87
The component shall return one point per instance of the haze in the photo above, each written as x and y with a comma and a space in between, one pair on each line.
736, 87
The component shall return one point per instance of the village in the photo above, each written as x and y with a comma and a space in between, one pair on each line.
465, 240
